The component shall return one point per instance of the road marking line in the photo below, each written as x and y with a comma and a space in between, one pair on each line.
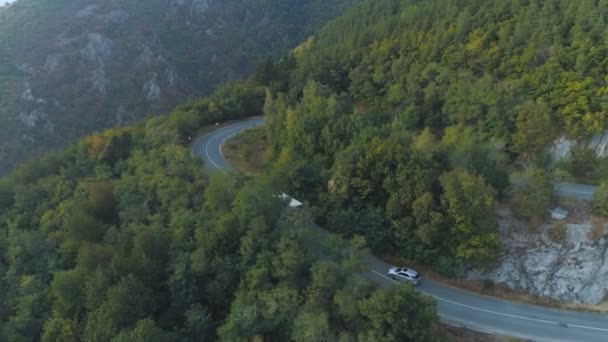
207, 152
494, 312
586, 327
233, 130
232, 135
214, 136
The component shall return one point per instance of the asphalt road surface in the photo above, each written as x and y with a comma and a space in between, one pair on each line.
576, 191
209, 146
455, 306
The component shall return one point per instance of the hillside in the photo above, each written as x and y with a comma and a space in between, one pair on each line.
472, 63
123, 237
68, 68
402, 120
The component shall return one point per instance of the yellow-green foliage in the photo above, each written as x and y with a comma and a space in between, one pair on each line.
124, 238
518, 70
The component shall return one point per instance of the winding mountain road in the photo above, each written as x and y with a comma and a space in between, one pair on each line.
455, 306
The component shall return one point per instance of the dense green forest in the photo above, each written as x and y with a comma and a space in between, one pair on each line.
503, 67
401, 119
399, 122
123, 237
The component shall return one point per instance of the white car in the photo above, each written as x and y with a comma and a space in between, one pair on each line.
404, 273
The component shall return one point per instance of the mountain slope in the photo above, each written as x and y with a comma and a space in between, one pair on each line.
123, 237
471, 62
400, 119
68, 68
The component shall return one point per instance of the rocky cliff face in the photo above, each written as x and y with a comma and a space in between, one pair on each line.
72, 67
562, 147
574, 270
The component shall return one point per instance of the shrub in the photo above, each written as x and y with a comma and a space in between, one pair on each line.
561, 175
557, 233
601, 169
582, 163
487, 284
599, 203
531, 196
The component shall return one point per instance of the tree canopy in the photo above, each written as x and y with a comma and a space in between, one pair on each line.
401, 119
123, 237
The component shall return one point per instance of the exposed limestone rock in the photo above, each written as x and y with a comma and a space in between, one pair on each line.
27, 138
99, 79
161, 60
116, 16
599, 143
573, 271
98, 47
33, 118
152, 89
51, 63
85, 59
63, 40
27, 94
171, 76
49, 127
145, 57
26, 68
199, 6
123, 116
563, 146
87, 11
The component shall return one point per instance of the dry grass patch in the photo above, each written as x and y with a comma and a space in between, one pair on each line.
578, 211
534, 225
247, 151
601, 308
463, 334
598, 229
